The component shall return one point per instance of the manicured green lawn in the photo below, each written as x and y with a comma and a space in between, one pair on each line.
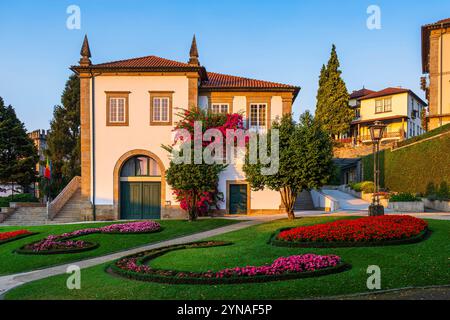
424, 263
11, 262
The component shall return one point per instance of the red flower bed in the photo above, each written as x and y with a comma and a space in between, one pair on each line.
370, 229
4, 236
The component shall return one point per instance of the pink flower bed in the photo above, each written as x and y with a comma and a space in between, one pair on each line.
61, 242
283, 265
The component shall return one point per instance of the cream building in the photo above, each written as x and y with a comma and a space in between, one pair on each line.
436, 65
399, 108
128, 110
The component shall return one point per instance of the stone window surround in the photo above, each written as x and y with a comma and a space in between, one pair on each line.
117, 94
161, 94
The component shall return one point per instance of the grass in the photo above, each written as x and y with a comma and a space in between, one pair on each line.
11, 262
420, 264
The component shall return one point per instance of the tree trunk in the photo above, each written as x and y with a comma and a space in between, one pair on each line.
288, 197
193, 207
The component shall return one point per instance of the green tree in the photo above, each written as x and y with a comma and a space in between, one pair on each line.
64, 138
305, 160
18, 154
332, 108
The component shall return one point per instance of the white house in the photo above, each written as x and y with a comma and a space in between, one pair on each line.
128, 109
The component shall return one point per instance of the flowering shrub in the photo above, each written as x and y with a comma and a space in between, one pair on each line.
62, 242
136, 266
195, 185
369, 229
5, 236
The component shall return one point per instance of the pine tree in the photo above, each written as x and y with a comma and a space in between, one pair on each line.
64, 138
332, 108
18, 154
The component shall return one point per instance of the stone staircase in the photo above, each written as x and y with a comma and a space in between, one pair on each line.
27, 216
65, 208
71, 211
304, 201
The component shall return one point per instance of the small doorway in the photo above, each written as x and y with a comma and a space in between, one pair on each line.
238, 198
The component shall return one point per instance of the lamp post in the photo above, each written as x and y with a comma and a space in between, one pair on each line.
376, 134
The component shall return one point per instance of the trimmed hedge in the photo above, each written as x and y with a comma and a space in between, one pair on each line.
146, 256
297, 244
414, 168
20, 197
404, 197
429, 134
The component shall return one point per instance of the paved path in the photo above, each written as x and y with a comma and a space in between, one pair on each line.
346, 201
11, 281
423, 293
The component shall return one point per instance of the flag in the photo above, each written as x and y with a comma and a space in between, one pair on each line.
48, 171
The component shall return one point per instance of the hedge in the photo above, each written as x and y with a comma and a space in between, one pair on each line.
414, 168
429, 134
19, 197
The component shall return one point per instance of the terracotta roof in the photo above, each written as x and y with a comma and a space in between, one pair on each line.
142, 62
379, 119
391, 91
384, 92
360, 93
426, 29
218, 80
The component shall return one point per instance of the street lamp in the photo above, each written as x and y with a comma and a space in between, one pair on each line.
376, 134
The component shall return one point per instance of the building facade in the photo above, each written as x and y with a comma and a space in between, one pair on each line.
436, 68
399, 109
128, 110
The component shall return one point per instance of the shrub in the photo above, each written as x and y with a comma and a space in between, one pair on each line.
368, 186
20, 197
404, 197
441, 194
356, 186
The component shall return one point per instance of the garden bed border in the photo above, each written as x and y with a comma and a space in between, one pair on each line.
21, 236
297, 244
115, 270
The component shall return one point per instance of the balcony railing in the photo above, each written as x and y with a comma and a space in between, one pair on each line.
386, 135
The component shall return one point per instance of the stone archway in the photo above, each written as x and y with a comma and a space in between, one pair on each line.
116, 177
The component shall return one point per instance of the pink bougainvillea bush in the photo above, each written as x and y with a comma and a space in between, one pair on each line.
63, 244
297, 266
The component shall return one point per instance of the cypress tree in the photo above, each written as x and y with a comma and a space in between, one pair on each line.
63, 140
332, 108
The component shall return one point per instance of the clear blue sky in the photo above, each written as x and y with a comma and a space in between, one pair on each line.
283, 41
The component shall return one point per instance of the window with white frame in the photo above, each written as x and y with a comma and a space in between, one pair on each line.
258, 115
117, 110
383, 105
219, 108
160, 109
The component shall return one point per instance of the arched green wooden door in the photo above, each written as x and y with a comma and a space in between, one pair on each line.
140, 190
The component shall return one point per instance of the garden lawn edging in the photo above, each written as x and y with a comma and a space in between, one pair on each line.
242, 275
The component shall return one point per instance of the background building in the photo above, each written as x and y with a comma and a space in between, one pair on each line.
436, 67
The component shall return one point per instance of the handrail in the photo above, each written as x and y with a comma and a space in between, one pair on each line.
54, 207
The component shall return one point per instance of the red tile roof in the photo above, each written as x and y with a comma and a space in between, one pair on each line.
218, 80
143, 62
384, 92
391, 91
360, 93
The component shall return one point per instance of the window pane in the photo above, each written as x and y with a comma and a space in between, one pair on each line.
254, 115
128, 169
224, 108
165, 109
141, 166
262, 115
156, 109
154, 168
